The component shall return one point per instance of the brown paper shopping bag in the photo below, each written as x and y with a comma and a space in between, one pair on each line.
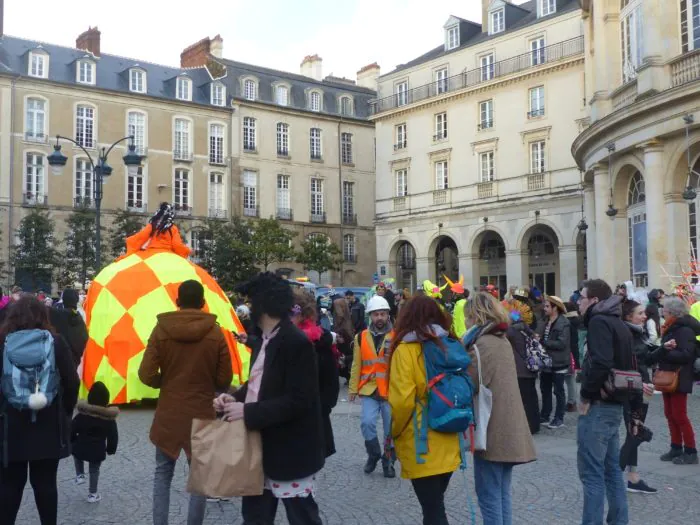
226, 460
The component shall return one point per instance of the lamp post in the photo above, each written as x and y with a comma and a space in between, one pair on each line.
100, 170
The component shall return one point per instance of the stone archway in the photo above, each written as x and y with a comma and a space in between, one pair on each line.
403, 263
446, 259
542, 252
491, 250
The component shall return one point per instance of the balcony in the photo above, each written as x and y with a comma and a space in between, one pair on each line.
217, 160
318, 218
510, 66
182, 155
33, 199
35, 136
283, 152
400, 146
136, 206
82, 202
624, 95
485, 124
251, 211
535, 113
536, 181
249, 148
182, 209
217, 213
440, 197
685, 68
440, 136
350, 219
284, 214
350, 258
316, 157
484, 190
399, 203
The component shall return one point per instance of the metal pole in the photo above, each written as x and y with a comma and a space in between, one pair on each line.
97, 183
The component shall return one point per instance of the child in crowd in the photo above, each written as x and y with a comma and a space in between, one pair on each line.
94, 435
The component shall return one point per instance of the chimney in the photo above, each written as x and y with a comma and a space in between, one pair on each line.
197, 55
311, 67
485, 15
216, 46
368, 76
89, 41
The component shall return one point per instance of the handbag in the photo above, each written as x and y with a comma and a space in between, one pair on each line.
666, 380
622, 384
226, 460
484, 406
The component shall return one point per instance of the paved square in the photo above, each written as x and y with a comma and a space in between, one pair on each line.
545, 492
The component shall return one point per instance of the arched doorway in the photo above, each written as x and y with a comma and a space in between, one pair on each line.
637, 231
406, 267
693, 207
446, 259
543, 259
492, 261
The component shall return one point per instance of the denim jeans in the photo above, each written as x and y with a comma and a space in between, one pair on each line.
372, 406
165, 468
547, 381
492, 481
94, 472
599, 465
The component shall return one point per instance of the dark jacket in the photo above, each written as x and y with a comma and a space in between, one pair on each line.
357, 315
188, 359
49, 436
94, 432
574, 325
329, 386
558, 343
609, 345
391, 299
653, 308
71, 326
288, 410
517, 341
684, 331
641, 349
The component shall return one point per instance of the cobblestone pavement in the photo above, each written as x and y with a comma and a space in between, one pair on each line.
545, 492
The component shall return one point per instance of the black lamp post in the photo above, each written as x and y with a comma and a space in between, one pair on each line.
100, 170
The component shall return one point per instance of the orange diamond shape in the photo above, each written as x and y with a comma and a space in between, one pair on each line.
132, 284
122, 344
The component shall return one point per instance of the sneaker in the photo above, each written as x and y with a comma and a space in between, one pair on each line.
671, 454
80, 479
216, 500
640, 488
94, 498
686, 459
544, 420
556, 423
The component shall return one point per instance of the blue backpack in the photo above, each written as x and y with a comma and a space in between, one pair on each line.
29, 372
450, 404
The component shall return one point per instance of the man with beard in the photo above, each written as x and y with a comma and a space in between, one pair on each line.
369, 380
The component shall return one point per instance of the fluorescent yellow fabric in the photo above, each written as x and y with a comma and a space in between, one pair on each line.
459, 324
695, 312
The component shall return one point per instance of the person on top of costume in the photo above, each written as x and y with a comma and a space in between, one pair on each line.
460, 296
159, 234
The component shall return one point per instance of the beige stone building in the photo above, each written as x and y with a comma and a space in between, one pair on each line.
474, 170
641, 146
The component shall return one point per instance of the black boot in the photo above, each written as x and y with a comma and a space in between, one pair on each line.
388, 460
374, 454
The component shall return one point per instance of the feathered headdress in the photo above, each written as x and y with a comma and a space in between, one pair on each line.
457, 287
518, 311
433, 290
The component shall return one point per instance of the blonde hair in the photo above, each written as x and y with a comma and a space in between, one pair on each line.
483, 308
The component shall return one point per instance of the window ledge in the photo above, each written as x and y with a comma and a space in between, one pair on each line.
349, 164
284, 157
250, 151
319, 161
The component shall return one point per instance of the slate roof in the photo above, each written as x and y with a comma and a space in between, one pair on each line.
526, 16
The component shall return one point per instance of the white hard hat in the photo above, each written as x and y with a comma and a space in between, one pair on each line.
377, 303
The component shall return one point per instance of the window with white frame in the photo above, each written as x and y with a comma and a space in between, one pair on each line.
346, 106
315, 143
282, 95
346, 148
317, 209
486, 114
536, 102
183, 88
250, 193
537, 156
487, 67
216, 143
218, 94
181, 146
38, 65
401, 177
135, 185
216, 194
284, 198
440, 126
35, 178
690, 25
401, 137
441, 180
283, 139
441, 80
486, 166
402, 93
85, 126
86, 72
250, 89
348, 202
181, 190
35, 120
137, 80
136, 127
497, 21
349, 249
547, 7
83, 183
249, 134
537, 52
315, 101
631, 35
452, 37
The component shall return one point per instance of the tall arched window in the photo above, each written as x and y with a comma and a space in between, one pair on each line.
637, 230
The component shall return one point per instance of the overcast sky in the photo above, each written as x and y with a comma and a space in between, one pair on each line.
347, 34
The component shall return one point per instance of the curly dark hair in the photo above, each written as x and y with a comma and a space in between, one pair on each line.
269, 295
28, 313
162, 220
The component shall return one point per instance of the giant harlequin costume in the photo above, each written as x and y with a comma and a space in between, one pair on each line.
125, 299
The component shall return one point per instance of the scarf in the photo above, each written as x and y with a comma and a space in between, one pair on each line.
641, 332
312, 330
669, 322
388, 327
476, 331
436, 330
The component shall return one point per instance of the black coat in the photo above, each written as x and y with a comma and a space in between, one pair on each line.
49, 436
684, 331
71, 326
574, 326
288, 410
642, 351
517, 341
357, 315
558, 343
329, 386
94, 432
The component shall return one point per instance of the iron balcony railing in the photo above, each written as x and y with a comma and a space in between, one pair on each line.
35, 199
136, 206
251, 211
531, 59
318, 218
285, 214
350, 218
82, 202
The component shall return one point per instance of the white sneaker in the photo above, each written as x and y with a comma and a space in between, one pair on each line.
94, 498
80, 479
215, 500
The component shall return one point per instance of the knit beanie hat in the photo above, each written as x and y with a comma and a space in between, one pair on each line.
99, 395
70, 298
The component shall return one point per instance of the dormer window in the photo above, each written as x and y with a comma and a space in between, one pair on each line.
38, 64
315, 101
184, 88
250, 89
497, 21
86, 72
218, 94
345, 105
546, 8
452, 38
137, 80
282, 95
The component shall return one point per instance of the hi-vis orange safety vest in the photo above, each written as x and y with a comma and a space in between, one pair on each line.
374, 366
